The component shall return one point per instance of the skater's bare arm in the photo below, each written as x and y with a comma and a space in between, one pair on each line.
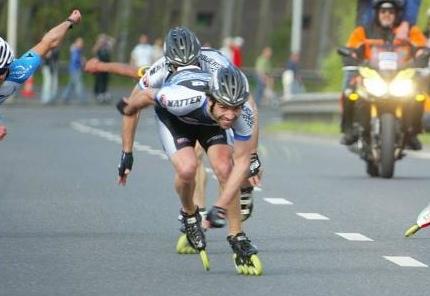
255, 129
55, 36
241, 156
129, 124
3, 131
138, 100
95, 66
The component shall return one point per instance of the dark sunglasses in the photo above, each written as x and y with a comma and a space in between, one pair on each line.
3, 70
387, 10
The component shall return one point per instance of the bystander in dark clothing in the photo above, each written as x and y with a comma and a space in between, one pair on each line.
102, 49
50, 76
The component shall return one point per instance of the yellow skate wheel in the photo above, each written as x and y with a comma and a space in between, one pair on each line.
183, 247
412, 230
205, 260
258, 266
239, 268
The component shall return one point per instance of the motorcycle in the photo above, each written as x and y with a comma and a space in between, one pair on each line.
383, 89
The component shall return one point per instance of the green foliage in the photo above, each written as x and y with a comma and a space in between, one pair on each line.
332, 72
422, 17
280, 40
344, 13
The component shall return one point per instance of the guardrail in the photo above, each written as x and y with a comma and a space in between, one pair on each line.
323, 106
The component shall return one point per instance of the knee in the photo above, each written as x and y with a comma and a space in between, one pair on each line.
222, 171
187, 172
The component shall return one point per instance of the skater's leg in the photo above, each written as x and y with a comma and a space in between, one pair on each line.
201, 180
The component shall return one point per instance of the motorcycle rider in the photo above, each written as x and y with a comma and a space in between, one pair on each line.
388, 15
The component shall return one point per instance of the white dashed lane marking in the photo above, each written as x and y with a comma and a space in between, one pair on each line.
354, 236
405, 261
278, 201
83, 128
312, 216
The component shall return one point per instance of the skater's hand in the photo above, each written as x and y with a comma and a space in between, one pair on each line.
75, 16
256, 180
3, 132
255, 170
92, 65
124, 167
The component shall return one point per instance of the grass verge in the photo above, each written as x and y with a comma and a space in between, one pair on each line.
318, 128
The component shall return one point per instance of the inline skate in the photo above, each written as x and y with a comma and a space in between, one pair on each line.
245, 256
195, 236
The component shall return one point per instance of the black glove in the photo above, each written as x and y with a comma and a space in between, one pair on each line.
125, 163
254, 167
216, 217
120, 106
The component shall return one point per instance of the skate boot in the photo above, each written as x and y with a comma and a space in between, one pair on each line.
423, 221
246, 202
195, 235
245, 256
183, 246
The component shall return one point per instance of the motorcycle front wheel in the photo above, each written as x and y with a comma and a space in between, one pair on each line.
388, 140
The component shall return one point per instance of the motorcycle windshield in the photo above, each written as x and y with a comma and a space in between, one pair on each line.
388, 58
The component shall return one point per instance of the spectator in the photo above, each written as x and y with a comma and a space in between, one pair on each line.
226, 48
141, 55
291, 78
50, 76
102, 49
263, 70
237, 51
76, 64
157, 50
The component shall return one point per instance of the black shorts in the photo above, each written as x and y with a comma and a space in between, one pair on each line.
176, 134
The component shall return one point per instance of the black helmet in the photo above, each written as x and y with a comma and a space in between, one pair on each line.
181, 47
229, 86
397, 4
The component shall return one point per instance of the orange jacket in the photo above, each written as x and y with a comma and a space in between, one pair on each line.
358, 39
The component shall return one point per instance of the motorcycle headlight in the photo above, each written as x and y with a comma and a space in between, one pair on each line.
376, 87
402, 88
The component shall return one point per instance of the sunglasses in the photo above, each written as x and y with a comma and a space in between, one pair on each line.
3, 70
387, 10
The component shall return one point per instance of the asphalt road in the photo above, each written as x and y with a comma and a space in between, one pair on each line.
66, 228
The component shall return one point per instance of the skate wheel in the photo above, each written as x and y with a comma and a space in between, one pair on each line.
205, 260
183, 247
412, 230
258, 266
238, 267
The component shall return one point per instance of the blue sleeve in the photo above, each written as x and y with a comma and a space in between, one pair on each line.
22, 68
241, 138
411, 11
364, 12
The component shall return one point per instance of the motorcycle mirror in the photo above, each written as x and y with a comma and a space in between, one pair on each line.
344, 51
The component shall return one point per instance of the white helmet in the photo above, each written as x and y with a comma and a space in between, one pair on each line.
6, 54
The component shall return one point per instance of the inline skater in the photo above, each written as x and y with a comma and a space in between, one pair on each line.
14, 72
185, 169
210, 60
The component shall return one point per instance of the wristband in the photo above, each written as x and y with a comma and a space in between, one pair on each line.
72, 22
